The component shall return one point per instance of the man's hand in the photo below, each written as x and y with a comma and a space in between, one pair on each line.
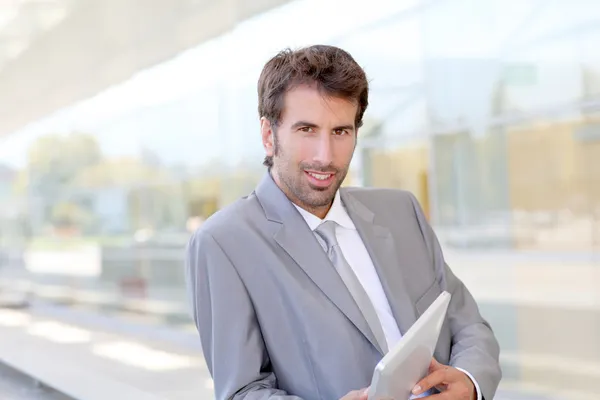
452, 383
356, 395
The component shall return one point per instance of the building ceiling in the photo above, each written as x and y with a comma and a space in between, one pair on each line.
21, 21
54, 53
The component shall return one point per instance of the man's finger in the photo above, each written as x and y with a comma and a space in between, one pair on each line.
442, 387
434, 365
439, 396
436, 378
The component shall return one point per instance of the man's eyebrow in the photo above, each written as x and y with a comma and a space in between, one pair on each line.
349, 127
304, 123
344, 127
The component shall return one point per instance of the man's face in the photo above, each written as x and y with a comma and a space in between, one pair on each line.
311, 147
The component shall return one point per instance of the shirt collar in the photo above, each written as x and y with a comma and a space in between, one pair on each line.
337, 213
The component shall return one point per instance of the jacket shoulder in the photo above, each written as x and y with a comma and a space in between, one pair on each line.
228, 219
388, 203
372, 193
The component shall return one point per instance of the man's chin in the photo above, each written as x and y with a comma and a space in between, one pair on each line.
321, 197
320, 189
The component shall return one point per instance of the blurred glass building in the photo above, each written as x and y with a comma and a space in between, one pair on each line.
487, 110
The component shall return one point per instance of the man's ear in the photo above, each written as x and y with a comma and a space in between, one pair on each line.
268, 136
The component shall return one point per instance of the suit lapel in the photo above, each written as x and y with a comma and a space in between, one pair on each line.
380, 244
295, 237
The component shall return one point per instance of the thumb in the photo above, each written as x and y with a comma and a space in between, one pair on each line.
364, 394
434, 365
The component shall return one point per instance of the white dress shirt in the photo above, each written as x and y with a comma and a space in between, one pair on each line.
358, 258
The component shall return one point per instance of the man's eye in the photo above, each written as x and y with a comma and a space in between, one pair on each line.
339, 132
307, 129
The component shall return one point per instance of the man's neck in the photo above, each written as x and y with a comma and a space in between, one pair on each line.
320, 213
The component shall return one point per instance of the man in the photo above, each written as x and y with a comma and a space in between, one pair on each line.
299, 289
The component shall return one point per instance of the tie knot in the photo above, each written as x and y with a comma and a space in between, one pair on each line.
327, 232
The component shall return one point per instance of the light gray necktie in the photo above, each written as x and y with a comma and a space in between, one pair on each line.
327, 232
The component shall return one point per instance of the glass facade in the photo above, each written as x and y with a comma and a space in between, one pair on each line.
487, 110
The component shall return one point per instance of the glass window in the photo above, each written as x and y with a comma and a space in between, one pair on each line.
487, 110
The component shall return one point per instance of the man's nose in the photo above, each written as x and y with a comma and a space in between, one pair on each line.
324, 151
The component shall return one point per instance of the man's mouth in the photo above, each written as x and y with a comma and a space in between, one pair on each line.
320, 179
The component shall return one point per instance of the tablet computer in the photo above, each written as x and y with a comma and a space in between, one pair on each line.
408, 362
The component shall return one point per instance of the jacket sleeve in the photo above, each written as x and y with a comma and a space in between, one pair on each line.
474, 346
231, 339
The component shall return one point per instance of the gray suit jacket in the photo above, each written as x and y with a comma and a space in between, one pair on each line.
277, 322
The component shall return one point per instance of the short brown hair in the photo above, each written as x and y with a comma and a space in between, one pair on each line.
333, 70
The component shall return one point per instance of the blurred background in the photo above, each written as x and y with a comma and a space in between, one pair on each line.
124, 124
